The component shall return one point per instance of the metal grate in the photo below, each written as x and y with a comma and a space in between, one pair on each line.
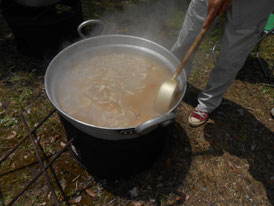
44, 168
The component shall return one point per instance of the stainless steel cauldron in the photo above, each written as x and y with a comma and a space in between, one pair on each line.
93, 45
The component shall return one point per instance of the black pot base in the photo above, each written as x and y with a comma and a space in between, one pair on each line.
115, 159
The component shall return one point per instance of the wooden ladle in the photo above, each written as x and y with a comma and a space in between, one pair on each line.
167, 92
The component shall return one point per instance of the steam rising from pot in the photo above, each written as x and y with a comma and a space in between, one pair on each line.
156, 20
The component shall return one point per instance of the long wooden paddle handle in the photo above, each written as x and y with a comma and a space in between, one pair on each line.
191, 50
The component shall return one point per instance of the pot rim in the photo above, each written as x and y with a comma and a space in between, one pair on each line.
104, 36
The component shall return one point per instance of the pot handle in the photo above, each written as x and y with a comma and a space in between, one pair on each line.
149, 125
88, 22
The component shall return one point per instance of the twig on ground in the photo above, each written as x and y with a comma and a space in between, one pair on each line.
111, 201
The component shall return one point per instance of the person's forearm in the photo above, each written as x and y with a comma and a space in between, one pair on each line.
216, 8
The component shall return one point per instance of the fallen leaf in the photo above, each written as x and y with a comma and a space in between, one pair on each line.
160, 178
63, 183
49, 195
152, 200
259, 110
10, 36
168, 162
138, 203
90, 192
54, 138
238, 167
62, 144
232, 166
12, 135
134, 192
187, 197
178, 198
210, 121
77, 199
43, 203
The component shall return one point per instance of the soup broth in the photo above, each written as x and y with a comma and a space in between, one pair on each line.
114, 90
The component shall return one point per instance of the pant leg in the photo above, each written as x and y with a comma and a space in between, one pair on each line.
192, 25
237, 44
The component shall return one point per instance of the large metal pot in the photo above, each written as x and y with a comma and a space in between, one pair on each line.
93, 45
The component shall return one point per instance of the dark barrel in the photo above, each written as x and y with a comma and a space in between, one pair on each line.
41, 31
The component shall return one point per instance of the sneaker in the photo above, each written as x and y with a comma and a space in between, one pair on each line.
197, 117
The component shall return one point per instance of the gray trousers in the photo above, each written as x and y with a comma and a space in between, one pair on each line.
236, 45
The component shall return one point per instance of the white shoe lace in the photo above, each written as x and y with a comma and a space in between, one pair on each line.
200, 112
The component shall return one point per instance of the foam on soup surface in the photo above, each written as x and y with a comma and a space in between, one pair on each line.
115, 90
